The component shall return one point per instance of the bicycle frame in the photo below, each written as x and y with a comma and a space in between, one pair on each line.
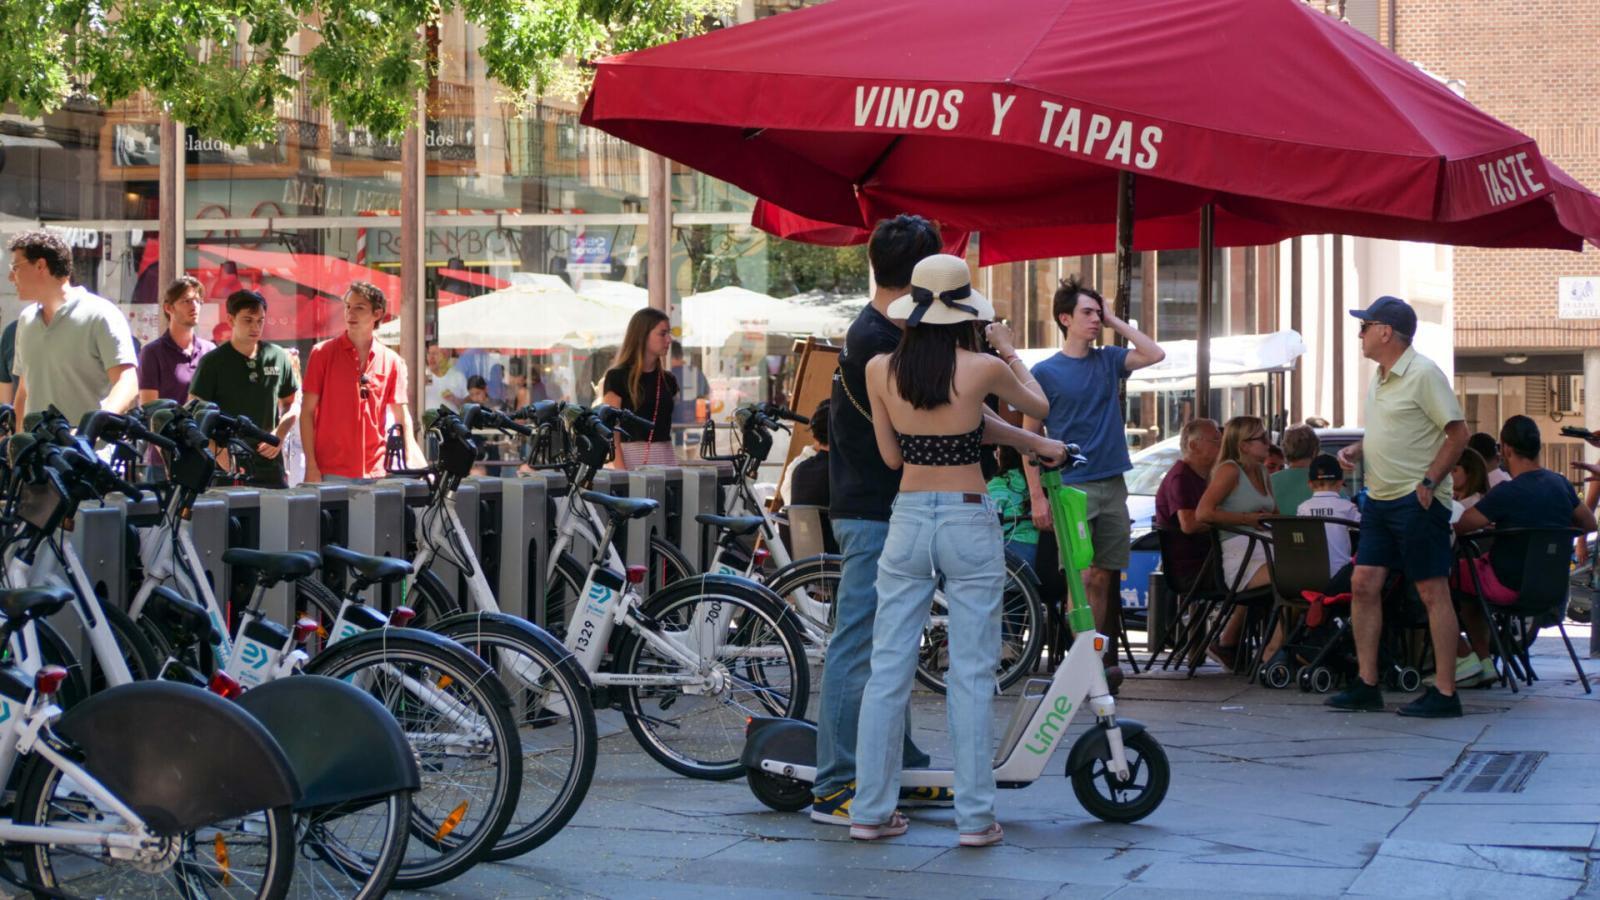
87, 606
22, 728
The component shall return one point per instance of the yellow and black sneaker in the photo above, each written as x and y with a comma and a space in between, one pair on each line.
834, 809
927, 796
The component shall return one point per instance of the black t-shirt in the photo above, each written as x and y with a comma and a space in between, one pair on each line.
809, 484
654, 402
1537, 499
862, 486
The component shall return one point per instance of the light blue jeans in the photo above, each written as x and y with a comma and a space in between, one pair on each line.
934, 538
850, 655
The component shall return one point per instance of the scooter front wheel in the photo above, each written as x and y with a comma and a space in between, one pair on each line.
1108, 797
777, 792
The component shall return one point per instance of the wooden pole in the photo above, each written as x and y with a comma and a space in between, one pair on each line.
659, 275
1202, 356
413, 268
169, 255
1125, 191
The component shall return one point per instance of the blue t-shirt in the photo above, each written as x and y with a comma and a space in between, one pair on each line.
1537, 499
1084, 409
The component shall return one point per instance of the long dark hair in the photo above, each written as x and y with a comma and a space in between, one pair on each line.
631, 359
924, 364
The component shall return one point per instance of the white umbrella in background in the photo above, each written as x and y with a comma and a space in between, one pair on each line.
531, 318
710, 318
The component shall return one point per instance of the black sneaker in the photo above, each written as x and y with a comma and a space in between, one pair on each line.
1358, 697
1433, 705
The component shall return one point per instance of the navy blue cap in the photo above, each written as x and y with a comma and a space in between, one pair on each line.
1325, 467
1390, 311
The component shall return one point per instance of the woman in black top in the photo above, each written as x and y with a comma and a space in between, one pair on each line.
641, 383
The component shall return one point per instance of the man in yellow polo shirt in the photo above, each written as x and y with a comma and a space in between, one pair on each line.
1415, 433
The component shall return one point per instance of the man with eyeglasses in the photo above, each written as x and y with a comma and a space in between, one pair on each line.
249, 377
1415, 432
352, 381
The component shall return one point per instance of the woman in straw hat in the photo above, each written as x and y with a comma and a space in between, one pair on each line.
929, 417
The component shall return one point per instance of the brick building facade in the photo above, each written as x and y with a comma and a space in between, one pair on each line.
1533, 65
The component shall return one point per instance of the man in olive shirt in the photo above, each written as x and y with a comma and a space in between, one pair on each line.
1415, 433
247, 377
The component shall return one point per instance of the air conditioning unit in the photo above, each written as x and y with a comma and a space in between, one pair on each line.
1566, 395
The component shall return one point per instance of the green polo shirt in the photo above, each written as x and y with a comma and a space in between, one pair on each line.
1407, 411
246, 386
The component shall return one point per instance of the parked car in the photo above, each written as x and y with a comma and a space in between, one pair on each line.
1144, 479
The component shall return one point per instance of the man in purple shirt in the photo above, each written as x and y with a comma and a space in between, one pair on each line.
167, 364
1179, 496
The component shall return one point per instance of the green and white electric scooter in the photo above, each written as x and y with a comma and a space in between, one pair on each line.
1118, 770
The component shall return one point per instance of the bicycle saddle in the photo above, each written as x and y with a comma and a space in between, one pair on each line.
738, 526
274, 566
621, 507
372, 569
33, 602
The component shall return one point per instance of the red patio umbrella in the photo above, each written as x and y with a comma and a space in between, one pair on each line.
1020, 114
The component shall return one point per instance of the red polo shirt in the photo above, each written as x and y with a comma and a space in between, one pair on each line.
349, 422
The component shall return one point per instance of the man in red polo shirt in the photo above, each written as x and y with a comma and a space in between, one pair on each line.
350, 381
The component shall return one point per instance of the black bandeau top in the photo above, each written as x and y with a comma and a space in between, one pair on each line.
942, 449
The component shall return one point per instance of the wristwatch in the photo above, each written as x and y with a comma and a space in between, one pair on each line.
1427, 483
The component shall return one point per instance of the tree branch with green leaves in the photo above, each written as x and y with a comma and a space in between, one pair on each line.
223, 66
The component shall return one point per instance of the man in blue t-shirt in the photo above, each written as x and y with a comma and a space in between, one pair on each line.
1082, 383
1533, 497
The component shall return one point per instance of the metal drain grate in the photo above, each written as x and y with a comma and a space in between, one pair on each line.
1493, 773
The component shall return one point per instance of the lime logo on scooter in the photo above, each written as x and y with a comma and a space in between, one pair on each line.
1050, 728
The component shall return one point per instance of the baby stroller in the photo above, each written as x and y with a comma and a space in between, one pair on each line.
1320, 652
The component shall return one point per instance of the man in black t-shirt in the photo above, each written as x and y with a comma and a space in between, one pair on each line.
862, 489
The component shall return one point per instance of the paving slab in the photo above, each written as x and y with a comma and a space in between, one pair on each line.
1271, 795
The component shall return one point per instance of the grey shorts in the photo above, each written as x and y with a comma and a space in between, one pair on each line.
1110, 528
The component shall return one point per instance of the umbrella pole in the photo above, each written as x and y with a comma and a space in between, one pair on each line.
1202, 354
1125, 187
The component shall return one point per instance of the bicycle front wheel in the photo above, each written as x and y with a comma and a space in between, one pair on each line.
456, 715
750, 661
555, 722
248, 857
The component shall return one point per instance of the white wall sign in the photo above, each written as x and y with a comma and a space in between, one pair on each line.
1579, 298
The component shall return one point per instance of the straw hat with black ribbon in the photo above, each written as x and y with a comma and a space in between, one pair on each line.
941, 294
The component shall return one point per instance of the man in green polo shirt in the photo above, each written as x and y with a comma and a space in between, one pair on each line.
248, 377
1415, 433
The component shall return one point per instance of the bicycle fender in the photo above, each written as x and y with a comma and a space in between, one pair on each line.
1093, 745
703, 584
790, 740
342, 744
179, 756
463, 624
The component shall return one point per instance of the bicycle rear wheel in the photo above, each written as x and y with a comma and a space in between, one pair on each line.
756, 666
248, 857
351, 850
1022, 627
456, 715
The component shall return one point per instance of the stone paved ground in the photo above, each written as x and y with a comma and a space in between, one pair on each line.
1272, 795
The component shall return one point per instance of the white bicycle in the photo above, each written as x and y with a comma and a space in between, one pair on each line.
687, 665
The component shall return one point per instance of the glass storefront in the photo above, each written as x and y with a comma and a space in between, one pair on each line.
536, 244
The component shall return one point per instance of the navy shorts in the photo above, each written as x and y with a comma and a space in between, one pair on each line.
1399, 535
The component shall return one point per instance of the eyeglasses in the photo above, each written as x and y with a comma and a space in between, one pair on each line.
1255, 437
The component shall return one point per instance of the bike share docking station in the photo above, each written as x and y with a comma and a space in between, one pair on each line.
524, 542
